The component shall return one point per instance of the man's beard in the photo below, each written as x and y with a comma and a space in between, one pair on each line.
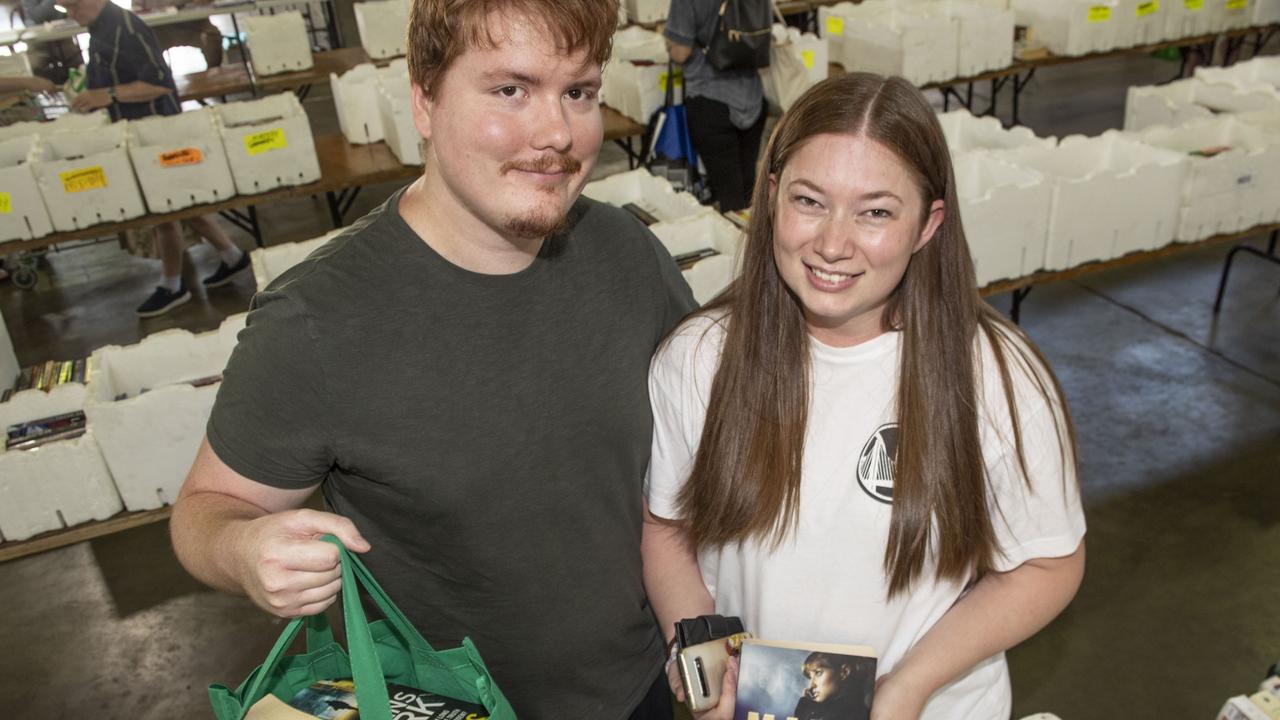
536, 225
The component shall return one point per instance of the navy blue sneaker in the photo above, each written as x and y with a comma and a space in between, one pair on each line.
163, 300
225, 274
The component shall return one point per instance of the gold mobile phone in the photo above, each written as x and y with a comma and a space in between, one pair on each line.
702, 669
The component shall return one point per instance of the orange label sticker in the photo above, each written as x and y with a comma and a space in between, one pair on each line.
182, 156
90, 178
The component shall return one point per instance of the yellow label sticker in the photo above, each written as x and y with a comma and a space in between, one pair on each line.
1099, 13
835, 25
807, 57
90, 178
1193, 5
1237, 4
1148, 8
182, 156
265, 141
662, 80
6, 203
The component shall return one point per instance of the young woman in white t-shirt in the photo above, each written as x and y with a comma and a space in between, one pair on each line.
850, 446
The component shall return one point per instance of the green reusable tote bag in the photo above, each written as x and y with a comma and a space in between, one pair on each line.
389, 650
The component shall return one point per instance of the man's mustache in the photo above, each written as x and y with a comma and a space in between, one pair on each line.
545, 164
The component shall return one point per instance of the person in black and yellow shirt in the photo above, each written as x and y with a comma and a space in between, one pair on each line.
128, 76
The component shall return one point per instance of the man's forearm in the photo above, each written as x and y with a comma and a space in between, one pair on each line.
140, 91
205, 529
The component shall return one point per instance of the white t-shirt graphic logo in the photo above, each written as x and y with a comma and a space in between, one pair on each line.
877, 462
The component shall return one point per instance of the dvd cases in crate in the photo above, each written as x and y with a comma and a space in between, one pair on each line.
268, 143
180, 160
86, 178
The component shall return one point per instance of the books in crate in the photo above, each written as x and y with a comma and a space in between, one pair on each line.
804, 681
336, 700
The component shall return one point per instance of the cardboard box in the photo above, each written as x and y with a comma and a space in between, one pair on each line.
646, 11
23, 215
883, 37
268, 143
383, 28
1171, 104
180, 160
149, 439
86, 178
277, 43
966, 133
68, 122
395, 110
1183, 19
1072, 27
707, 230
984, 33
355, 96
1006, 210
1243, 87
54, 486
270, 262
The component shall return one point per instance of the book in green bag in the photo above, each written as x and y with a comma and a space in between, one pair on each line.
336, 700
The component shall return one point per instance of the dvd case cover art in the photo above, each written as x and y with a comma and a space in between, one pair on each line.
794, 681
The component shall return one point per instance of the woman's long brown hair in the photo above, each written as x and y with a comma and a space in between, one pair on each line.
745, 482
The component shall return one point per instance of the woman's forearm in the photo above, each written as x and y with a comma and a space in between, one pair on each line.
671, 576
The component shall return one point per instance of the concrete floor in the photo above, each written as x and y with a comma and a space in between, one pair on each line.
1178, 415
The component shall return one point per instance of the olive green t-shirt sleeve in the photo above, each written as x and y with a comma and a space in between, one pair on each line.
271, 421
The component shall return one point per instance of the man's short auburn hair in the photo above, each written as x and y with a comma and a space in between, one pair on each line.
441, 30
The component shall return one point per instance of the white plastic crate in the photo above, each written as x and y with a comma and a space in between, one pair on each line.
1141, 22
23, 215
268, 143
355, 96
985, 33
277, 43
637, 43
651, 193
709, 229
647, 11
1171, 104
1266, 12
635, 90
1243, 87
180, 160
966, 133
395, 110
149, 439
68, 122
86, 178
1189, 18
383, 28
1268, 121
1005, 209
270, 262
57, 485
1112, 195
782, 89
1232, 190
883, 38
1072, 27
1232, 14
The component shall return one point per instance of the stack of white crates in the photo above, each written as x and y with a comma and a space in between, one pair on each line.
1244, 87
810, 50
383, 27
646, 191
1112, 195
268, 143
277, 43
638, 44
880, 37
1072, 27
984, 33
355, 96
1233, 175
270, 262
86, 178
148, 417
1171, 104
57, 485
646, 11
966, 133
395, 111
1141, 22
180, 160
1233, 14
68, 122
1189, 19
23, 215
1006, 210
634, 82
707, 230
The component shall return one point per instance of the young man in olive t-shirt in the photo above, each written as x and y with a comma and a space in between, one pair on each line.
464, 373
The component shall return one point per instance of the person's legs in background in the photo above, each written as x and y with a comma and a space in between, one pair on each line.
171, 292
749, 150
716, 141
233, 260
